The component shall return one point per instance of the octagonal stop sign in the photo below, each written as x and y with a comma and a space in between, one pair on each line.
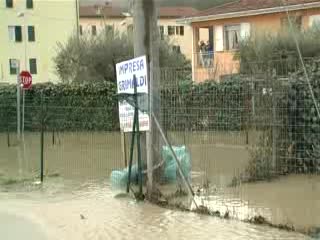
26, 80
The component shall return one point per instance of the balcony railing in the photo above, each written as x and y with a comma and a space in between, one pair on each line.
204, 59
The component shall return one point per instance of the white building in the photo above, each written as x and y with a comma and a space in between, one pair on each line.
93, 19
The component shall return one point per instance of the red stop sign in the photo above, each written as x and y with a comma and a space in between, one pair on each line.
26, 80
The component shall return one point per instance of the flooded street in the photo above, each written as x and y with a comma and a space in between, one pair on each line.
68, 210
76, 201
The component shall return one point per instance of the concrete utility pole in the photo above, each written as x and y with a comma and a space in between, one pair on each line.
146, 42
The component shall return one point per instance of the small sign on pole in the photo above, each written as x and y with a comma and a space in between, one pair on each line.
25, 80
125, 81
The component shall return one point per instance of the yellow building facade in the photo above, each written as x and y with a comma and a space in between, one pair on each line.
30, 31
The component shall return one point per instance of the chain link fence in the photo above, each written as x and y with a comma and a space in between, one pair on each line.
248, 146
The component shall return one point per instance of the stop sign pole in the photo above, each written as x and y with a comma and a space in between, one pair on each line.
25, 80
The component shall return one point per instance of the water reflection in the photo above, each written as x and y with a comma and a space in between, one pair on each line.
70, 210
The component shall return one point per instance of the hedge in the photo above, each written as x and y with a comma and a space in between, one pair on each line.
206, 106
303, 119
63, 107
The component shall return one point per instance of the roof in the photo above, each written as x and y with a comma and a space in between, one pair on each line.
99, 11
177, 12
252, 7
165, 12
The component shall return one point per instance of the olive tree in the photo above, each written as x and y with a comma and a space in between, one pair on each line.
92, 59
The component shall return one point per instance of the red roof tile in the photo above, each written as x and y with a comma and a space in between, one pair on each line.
100, 11
177, 11
246, 5
107, 11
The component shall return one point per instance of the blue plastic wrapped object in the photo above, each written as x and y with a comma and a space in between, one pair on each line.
119, 179
171, 169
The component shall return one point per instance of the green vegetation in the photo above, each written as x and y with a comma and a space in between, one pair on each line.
95, 106
265, 51
93, 60
63, 107
303, 120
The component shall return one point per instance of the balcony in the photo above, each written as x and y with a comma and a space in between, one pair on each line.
213, 66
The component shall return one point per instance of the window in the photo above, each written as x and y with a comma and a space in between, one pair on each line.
29, 4
80, 30
15, 33
171, 30
130, 29
231, 37
314, 21
12, 34
31, 34
9, 3
108, 28
94, 30
161, 29
295, 20
14, 66
33, 65
180, 30
176, 49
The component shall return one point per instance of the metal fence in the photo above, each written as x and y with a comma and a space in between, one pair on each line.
78, 142
249, 145
253, 142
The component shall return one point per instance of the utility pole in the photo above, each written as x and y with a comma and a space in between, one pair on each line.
146, 42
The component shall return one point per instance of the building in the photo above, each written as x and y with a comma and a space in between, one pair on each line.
93, 19
29, 33
224, 26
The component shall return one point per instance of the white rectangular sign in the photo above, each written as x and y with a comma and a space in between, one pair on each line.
125, 84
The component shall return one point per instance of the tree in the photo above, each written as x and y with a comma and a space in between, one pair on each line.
92, 59
278, 51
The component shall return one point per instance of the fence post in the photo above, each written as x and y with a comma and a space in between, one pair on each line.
8, 135
124, 148
274, 122
42, 140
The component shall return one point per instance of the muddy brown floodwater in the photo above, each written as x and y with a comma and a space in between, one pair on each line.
63, 209
55, 209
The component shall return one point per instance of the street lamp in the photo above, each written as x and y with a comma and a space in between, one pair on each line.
19, 87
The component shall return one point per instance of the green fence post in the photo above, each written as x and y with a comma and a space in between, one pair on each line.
42, 140
136, 116
131, 153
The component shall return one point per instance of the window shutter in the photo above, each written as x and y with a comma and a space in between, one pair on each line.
314, 20
18, 33
245, 30
31, 34
29, 4
33, 66
219, 38
182, 30
9, 3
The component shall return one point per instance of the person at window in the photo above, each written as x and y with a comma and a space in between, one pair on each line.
209, 54
202, 48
